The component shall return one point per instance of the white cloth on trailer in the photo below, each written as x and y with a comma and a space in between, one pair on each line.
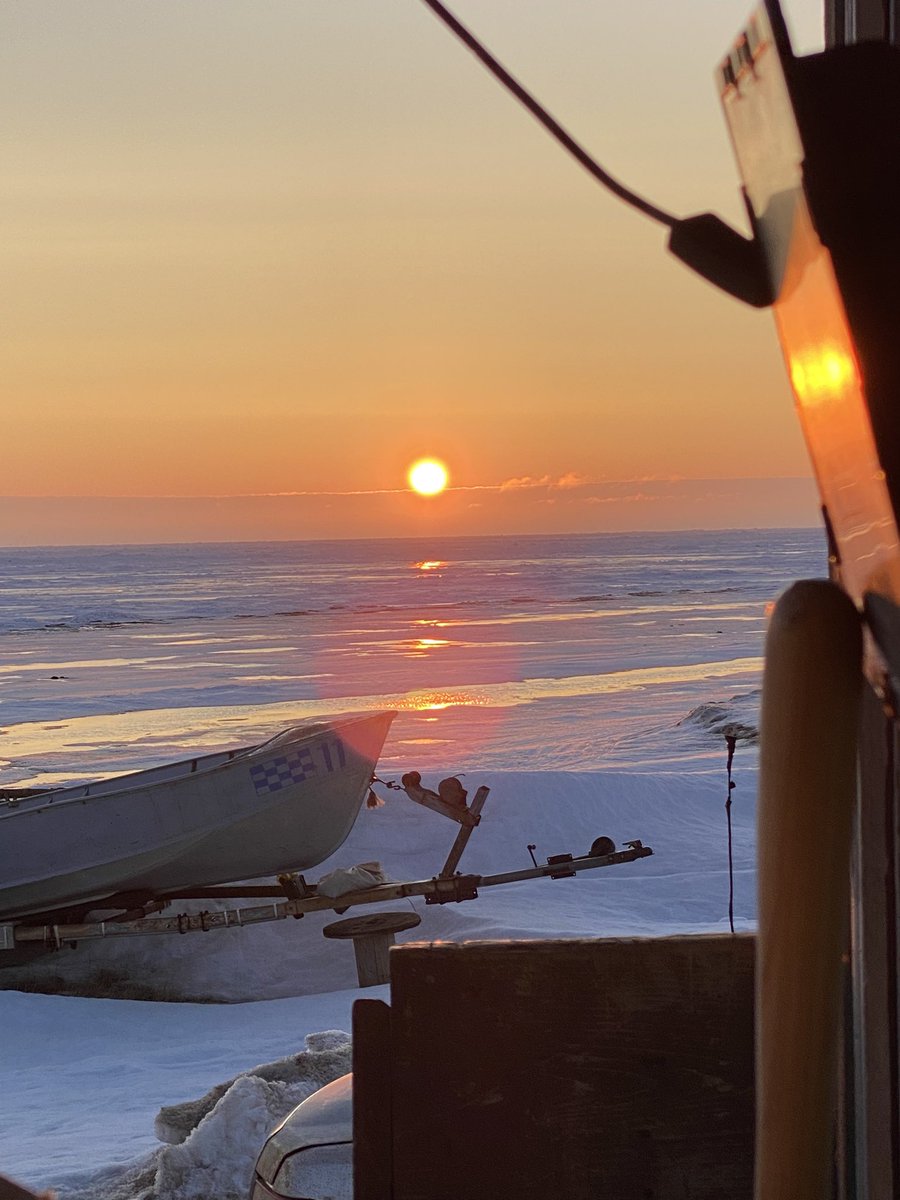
351, 879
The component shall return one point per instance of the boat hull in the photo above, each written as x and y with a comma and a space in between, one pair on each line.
285, 805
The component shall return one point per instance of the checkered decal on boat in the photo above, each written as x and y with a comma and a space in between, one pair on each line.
282, 772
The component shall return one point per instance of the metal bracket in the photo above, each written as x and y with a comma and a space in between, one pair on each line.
462, 838
455, 890
460, 813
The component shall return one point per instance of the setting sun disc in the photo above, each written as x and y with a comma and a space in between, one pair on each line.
428, 476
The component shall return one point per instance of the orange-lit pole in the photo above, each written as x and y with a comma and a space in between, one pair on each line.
816, 140
869, 1127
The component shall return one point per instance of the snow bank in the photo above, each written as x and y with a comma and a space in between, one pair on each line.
327, 1057
219, 1136
84, 1079
738, 716
216, 1154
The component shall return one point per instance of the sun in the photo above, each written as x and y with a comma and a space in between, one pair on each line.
428, 476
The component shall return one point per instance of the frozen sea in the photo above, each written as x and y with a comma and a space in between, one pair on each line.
588, 680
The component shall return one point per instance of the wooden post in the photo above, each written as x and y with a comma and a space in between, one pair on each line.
808, 752
372, 936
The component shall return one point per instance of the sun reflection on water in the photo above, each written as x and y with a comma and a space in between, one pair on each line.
432, 701
426, 642
421, 647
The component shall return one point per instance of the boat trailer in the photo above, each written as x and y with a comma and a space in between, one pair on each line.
295, 897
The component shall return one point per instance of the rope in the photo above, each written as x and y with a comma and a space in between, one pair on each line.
552, 126
730, 742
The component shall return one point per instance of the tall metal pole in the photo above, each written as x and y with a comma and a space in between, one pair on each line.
869, 1135
849, 21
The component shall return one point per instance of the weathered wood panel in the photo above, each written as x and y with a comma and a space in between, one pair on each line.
573, 1069
372, 1132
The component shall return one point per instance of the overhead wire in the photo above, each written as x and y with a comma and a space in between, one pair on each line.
705, 243
549, 122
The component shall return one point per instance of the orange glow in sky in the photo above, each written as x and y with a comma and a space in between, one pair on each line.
263, 253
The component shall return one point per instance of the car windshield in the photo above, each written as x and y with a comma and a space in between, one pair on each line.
317, 1173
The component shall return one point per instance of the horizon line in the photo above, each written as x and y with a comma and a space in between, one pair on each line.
450, 537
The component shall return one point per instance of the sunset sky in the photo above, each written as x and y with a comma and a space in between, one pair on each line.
260, 255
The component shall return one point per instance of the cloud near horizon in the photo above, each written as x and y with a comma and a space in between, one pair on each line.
560, 506
570, 481
564, 482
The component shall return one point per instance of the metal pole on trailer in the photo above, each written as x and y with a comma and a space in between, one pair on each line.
440, 889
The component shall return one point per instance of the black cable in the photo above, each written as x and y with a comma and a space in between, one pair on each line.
724, 257
552, 126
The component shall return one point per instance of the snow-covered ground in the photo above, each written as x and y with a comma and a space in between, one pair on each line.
588, 682
86, 1077
84, 1080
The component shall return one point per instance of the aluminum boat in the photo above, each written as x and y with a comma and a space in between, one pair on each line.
283, 805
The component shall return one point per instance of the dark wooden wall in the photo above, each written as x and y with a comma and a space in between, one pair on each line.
573, 1069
